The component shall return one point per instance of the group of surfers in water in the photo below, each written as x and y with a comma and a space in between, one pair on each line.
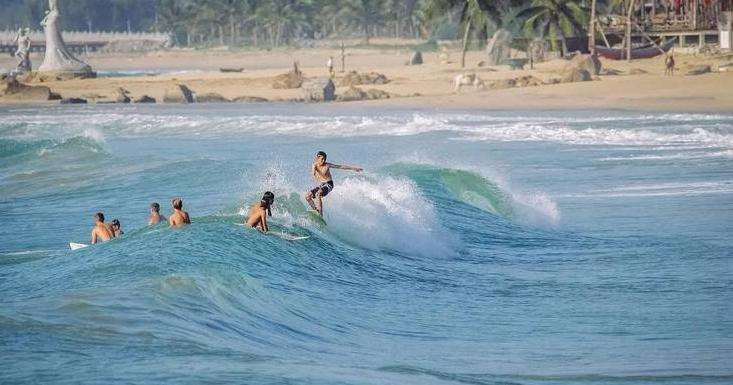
257, 216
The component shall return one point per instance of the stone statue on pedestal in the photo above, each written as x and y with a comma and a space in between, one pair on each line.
58, 58
24, 50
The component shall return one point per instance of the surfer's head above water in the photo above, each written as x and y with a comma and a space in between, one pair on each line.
267, 200
155, 206
177, 203
99, 217
321, 154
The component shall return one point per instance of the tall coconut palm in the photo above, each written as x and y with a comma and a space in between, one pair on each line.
475, 15
557, 19
365, 14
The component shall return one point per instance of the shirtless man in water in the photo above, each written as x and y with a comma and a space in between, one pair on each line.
102, 231
321, 171
179, 217
260, 211
155, 216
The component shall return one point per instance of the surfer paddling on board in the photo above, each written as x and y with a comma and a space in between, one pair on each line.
260, 211
155, 216
321, 171
179, 217
102, 232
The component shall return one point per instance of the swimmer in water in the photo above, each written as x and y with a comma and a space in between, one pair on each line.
260, 211
116, 228
155, 216
179, 217
102, 232
321, 172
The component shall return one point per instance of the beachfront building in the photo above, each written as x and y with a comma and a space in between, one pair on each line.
697, 22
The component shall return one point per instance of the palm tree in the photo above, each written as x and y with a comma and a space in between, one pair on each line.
363, 13
475, 14
556, 18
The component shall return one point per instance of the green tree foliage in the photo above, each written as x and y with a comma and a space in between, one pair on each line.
556, 19
281, 22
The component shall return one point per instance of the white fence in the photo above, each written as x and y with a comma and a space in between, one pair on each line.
87, 38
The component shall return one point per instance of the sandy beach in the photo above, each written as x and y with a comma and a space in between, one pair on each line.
638, 85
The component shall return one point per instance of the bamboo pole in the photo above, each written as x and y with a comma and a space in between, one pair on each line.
649, 38
628, 30
603, 34
592, 29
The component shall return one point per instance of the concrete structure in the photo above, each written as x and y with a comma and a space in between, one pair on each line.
58, 58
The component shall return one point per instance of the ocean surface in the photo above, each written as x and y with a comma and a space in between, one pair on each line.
509, 247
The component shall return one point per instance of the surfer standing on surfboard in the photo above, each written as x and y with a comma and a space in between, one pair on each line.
321, 171
260, 211
101, 231
179, 217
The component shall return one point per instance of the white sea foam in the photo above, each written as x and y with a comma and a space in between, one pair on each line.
388, 214
660, 189
651, 130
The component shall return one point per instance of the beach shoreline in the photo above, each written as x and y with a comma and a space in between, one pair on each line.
639, 85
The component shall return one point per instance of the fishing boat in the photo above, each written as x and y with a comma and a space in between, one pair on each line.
636, 53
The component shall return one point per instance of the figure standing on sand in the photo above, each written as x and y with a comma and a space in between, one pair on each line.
321, 171
329, 64
23, 51
669, 65
179, 217
260, 211
101, 232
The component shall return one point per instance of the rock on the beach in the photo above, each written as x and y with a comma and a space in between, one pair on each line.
374, 93
351, 94
73, 101
122, 95
528, 81
211, 97
502, 84
589, 63
415, 59
10, 88
249, 99
319, 90
572, 75
292, 79
498, 47
354, 78
145, 99
178, 93
699, 69
538, 49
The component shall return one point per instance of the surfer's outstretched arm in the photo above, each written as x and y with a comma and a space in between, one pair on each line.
345, 167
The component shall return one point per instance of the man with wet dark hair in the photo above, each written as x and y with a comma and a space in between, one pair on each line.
101, 231
258, 214
155, 216
179, 217
321, 172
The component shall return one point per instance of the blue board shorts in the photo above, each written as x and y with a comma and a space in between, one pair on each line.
324, 188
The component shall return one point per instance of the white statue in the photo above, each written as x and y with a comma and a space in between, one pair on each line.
58, 58
23, 51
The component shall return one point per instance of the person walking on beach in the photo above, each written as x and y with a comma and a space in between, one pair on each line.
155, 216
116, 228
329, 64
179, 217
260, 211
101, 231
321, 171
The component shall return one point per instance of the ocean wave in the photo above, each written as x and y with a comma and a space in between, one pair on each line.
651, 130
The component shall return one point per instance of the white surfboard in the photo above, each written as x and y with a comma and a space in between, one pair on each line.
281, 235
77, 246
317, 217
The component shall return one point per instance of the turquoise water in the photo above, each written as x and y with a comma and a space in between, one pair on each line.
476, 248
